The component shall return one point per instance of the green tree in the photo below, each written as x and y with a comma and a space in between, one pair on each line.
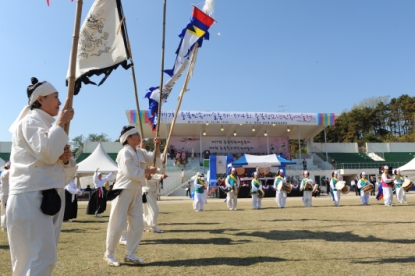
78, 141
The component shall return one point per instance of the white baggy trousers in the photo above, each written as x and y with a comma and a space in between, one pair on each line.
33, 236
151, 209
400, 195
336, 195
364, 197
256, 201
199, 201
232, 200
3, 211
308, 195
128, 206
281, 198
387, 196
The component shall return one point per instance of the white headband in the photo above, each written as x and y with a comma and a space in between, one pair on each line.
233, 169
335, 172
305, 172
123, 137
42, 90
385, 168
363, 173
255, 174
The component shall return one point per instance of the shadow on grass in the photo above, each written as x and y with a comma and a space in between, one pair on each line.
90, 221
216, 241
232, 261
75, 230
348, 236
211, 231
389, 261
342, 221
4, 246
189, 223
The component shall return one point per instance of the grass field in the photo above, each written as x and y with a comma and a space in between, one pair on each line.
322, 240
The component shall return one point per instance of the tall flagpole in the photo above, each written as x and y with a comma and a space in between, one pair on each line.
161, 76
130, 53
184, 89
74, 53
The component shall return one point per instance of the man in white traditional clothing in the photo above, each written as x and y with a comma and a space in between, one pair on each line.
41, 167
128, 205
232, 183
308, 189
280, 195
4, 193
99, 183
151, 190
387, 183
255, 187
199, 195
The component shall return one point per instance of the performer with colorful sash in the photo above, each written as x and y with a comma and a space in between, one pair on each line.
362, 183
336, 193
400, 192
281, 195
255, 186
199, 196
232, 183
387, 183
308, 192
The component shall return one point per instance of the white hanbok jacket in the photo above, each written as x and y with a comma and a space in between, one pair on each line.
131, 167
36, 148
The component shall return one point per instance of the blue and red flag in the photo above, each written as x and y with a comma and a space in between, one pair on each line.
195, 31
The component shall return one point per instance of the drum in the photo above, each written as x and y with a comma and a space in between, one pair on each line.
287, 188
407, 185
261, 193
368, 188
308, 186
340, 185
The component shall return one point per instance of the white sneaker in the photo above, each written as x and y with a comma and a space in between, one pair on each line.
122, 242
132, 259
234, 209
156, 230
99, 215
230, 209
111, 261
69, 220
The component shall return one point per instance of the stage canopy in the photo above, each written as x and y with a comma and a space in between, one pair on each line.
243, 124
271, 160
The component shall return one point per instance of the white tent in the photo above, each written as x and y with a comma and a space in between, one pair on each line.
409, 170
98, 159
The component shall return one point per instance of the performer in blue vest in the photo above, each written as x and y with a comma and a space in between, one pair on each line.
199, 197
232, 183
362, 183
307, 185
336, 193
281, 195
400, 192
255, 187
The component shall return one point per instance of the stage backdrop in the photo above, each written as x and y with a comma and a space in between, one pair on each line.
225, 117
221, 145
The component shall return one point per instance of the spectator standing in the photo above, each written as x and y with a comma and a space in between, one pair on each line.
333, 164
304, 164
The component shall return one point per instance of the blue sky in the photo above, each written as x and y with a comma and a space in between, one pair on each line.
308, 56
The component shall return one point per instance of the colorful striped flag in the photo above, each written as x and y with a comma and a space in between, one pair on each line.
195, 31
